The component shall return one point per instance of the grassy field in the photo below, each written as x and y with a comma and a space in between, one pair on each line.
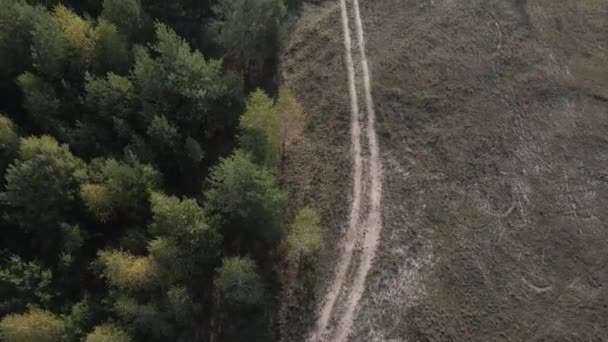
493, 118
317, 170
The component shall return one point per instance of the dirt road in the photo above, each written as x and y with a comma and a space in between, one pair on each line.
362, 234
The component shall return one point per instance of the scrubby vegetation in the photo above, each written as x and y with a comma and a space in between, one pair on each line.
142, 197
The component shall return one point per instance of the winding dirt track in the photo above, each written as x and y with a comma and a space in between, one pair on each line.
364, 234
355, 209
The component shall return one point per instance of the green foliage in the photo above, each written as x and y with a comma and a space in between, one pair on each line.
128, 272
73, 240
163, 134
304, 245
147, 320
268, 128
238, 283
246, 200
181, 303
17, 20
260, 134
135, 240
126, 15
98, 200
49, 47
183, 82
292, 119
77, 321
305, 236
194, 151
98, 116
169, 214
250, 30
9, 141
109, 103
43, 170
117, 187
111, 96
23, 283
185, 246
188, 17
166, 253
111, 51
108, 333
40, 101
33, 326
65, 45
78, 34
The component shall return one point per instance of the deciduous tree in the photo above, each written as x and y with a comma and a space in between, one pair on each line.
108, 333
260, 131
238, 283
33, 326
119, 188
128, 272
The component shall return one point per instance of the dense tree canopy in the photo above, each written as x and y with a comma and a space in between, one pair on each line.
127, 214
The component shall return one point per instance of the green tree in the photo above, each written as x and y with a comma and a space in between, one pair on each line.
108, 333
73, 240
77, 32
128, 272
181, 303
305, 236
9, 142
111, 52
240, 295
292, 119
23, 283
62, 44
119, 188
170, 214
149, 321
78, 321
42, 184
17, 20
250, 30
164, 136
260, 132
238, 283
189, 18
246, 200
185, 245
110, 104
49, 47
33, 326
110, 96
126, 15
304, 245
182, 83
41, 102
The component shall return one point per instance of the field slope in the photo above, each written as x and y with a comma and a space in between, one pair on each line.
492, 119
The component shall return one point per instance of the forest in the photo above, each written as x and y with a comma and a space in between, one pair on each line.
141, 145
